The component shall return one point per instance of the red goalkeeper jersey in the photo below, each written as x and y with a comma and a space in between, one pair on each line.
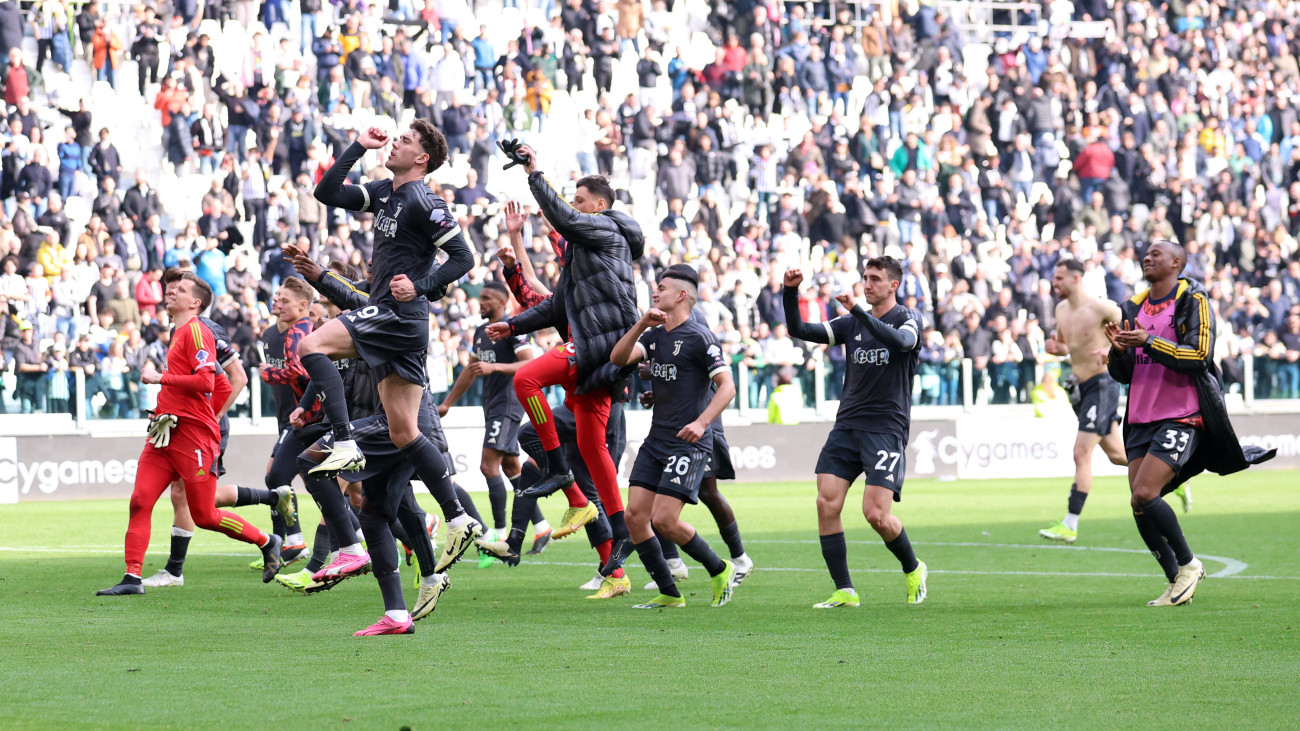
190, 379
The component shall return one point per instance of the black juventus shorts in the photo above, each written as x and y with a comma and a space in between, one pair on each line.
389, 344
224, 426
720, 465
284, 459
1098, 404
851, 452
1172, 441
502, 434
675, 469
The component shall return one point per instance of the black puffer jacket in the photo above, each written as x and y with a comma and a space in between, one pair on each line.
1219, 451
595, 299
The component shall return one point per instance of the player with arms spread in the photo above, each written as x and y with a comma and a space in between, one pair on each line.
871, 428
391, 333
1081, 335
594, 305
184, 440
1176, 424
496, 362
685, 359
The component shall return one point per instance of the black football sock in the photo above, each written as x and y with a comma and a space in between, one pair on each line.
514, 482
522, 512
667, 547
527, 477
902, 550
656, 565
698, 549
466, 503
180, 546
399, 532
496, 486
836, 554
356, 514
618, 526
413, 520
1076, 501
131, 579
556, 464
254, 496
434, 473
335, 508
731, 535
537, 517
1163, 518
278, 526
383, 560
1157, 544
329, 383
320, 548
516, 540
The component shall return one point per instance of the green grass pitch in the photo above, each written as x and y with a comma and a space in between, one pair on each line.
1015, 632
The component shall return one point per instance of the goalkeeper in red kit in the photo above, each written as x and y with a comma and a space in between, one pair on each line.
184, 440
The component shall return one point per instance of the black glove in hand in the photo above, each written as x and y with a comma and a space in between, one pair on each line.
511, 149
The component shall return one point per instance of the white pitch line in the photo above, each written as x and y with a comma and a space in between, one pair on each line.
1231, 566
1231, 570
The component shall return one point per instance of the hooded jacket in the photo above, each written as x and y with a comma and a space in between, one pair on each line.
595, 298
1219, 451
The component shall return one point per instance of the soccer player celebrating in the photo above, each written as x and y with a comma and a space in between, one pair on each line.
227, 495
1175, 423
391, 333
594, 305
1081, 335
871, 428
184, 439
496, 362
684, 359
719, 468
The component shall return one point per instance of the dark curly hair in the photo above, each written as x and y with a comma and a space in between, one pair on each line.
433, 142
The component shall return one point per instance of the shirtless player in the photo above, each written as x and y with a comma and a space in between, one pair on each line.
1080, 334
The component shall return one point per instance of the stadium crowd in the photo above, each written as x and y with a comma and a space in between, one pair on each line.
749, 137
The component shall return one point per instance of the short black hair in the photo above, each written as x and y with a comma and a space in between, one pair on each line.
889, 265
433, 142
684, 272
598, 186
201, 288
1072, 265
497, 287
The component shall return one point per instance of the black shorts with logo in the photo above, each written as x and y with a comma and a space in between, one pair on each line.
502, 434
389, 344
720, 465
851, 452
1171, 441
670, 468
1098, 404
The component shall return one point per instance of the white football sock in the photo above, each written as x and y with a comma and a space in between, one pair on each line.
1071, 521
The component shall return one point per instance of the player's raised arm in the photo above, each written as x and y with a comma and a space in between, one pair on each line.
629, 349
904, 337
518, 268
819, 333
333, 190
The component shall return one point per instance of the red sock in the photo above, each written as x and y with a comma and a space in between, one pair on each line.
575, 496
604, 550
